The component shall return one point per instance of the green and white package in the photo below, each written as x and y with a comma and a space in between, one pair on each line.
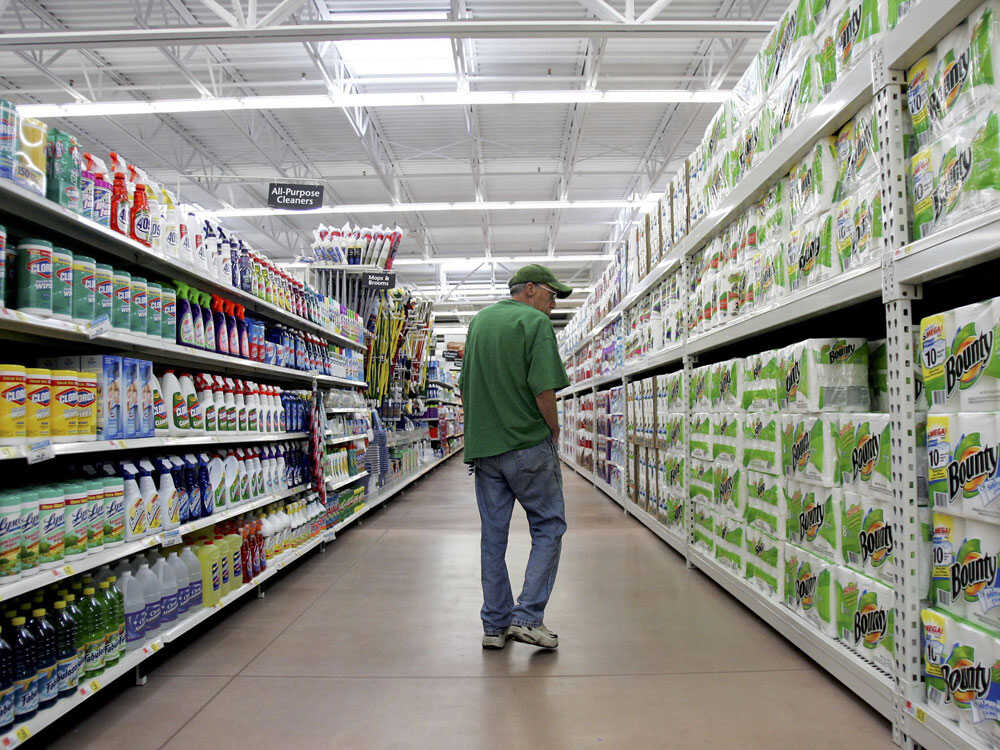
878, 372
672, 512
868, 535
809, 448
968, 179
825, 375
864, 448
846, 589
810, 580
701, 386
936, 641
701, 480
866, 224
952, 87
864, 161
729, 488
813, 517
672, 433
844, 239
814, 181
874, 624
961, 364
729, 542
779, 50
762, 442
973, 582
727, 437
858, 27
825, 40
703, 530
984, 25
701, 435
920, 96
674, 390
963, 452
760, 381
810, 255
764, 561
765, 495
766, 274
924, 166
727, 384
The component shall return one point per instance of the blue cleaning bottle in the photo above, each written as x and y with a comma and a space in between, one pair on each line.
191, 482
46, 657
6, 686
205, 486
208, 322
221, 326
185, 319
183, 499
25, 671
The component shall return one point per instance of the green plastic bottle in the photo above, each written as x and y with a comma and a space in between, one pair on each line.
108, 606
93, 626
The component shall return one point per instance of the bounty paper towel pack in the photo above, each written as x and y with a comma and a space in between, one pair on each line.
727, 384
825, 375
868, 535
809, 448
972, 586
701, 388
729, 542
701, 480
703, 531
765, 496
762, 442
727, 437
810, 580
968, 177
729, 487
873, 621
846, 587
764, 560
946, 537
963, 451
813, 517
960, 363
864, 452
760, 381
701, 436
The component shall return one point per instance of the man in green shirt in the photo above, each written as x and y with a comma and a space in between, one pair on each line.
510, 374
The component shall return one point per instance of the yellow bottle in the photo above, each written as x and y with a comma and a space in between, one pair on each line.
211, 576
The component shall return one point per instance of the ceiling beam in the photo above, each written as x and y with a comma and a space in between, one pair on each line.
338, 31
602, 10
281, 11
653, 10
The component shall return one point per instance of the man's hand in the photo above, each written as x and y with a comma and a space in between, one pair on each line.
546, 401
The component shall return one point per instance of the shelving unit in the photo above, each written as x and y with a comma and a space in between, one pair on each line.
894, 278
331, 439
336, 484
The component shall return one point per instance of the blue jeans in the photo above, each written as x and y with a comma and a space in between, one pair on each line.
534, 476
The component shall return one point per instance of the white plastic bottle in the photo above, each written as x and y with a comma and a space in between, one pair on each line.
193, 404
151, 592
135, 609
243, 481
169, 497
168, 592
239, 395
135, 506
221, 418
267, 466
161, 410
180, 573
230, 398
172, 233
279, 466
150, 497
206, 400
176, 404
190, 561
257, 472
253, 406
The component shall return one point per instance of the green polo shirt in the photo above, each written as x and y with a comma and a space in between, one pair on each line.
510, 357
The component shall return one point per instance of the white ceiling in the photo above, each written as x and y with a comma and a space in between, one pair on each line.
424, 154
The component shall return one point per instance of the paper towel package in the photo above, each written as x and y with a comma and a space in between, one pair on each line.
961, 366
701, 435
813, 181
962, 455
762, 442
974, 579
703, 531
878, 373
672, 434
765, 497
874, 623
701, 386
869, 535
760, 381
675, 391
727, 437
701, 480
864, 447
729, 542
727, 385
809, 448
811, 581
763, 560
729, 488
938, 636
812, 518
825, 375
846, 588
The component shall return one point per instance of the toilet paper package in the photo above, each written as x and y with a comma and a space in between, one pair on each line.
701, 435
764, 559
765, 509
864, 446
727, 437
809, 448
729, 488
729, 542
874, 624
812, 518
962, 456
703, 530
701, 480
760, 381
960, 359
825, 375
762, 442
868, 536
810, 581
727, 384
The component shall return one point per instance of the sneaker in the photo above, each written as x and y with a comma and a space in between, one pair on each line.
496, 640
537, 635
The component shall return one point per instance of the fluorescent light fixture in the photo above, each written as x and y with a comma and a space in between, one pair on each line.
467, 262
397, 99
382, 57
409, 208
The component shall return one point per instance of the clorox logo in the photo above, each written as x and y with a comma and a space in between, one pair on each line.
85, 398
124, 294
67, 397
106, 289
40, 267
42, 396
90, 282
15, 395
65, 275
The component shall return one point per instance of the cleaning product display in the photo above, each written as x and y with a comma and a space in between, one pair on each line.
356, 246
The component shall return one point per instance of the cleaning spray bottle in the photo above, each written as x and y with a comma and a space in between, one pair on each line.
161, 419
150, 497
167, 492
206, 400
218, 393
185, 318
230, 397
191, 484
253, 406
205, 485
239, 396
197, 421
241, 328
234, 335
183, 498
135, 505
205, 305
219, 322
176, 404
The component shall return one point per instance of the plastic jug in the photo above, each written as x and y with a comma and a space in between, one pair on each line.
150, 497
178, 419
211, 578
195, 418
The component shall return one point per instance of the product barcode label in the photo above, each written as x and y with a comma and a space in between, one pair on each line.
938, 398
854, 558
944, 598
935, 697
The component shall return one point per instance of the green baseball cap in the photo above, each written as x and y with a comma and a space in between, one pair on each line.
540, 275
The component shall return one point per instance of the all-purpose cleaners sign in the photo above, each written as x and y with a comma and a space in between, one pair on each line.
295, 197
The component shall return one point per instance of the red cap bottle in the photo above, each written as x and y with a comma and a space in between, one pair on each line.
139, 224
120, 210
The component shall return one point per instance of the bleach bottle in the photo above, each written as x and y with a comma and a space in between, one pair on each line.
167, 493
150, 497
135, 505
191, 483
183, 499
205, 486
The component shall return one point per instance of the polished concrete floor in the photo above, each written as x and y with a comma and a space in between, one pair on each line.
375, 644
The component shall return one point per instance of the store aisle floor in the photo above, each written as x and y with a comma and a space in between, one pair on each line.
375, 644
